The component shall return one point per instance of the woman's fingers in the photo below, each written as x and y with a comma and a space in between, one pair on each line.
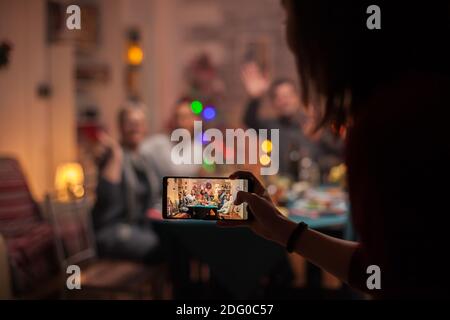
256, 203
241, 197
242, 175
258, 188
247, 197
246, 175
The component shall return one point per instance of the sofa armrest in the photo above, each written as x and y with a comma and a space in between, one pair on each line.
5, 277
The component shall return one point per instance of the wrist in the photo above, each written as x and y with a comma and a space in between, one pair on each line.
295, 236
284, 231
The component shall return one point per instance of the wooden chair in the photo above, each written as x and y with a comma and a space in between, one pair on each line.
100, 278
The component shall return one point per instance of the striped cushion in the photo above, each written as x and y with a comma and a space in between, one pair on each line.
32, 257
18, 211
29, 239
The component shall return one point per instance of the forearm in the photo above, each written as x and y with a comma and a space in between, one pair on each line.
330, 254
251, 118
112, 171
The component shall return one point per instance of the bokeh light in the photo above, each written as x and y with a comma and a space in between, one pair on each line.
135, 55
266, 146
209, 166
265, 160
209, 113
197, 107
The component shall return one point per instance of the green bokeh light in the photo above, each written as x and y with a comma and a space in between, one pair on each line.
197, 107
209, 166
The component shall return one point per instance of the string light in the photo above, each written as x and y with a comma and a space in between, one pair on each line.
197, 107
266, 146
209, 113
209, 166
135, 55
265, 160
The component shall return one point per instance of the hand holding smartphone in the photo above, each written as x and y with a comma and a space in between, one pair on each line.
203, 198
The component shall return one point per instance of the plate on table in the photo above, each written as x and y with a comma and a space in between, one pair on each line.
320, 202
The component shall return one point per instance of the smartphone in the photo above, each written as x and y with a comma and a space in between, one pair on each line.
203, 198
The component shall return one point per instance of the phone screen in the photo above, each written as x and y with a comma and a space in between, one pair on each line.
203, 198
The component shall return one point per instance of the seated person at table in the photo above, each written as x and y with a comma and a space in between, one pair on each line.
202, 196
285, 101
298, 139
158, 148
227, 206
185, 199
190, 198
207, 196
222, 197
125, 193
182, 204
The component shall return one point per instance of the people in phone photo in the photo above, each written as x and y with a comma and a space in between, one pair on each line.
207, 199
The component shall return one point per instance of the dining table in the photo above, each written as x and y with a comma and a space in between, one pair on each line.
236, 257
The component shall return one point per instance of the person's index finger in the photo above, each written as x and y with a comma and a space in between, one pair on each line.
238, 173
243, 196
242, 175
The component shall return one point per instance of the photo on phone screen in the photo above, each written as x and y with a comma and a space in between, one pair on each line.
203, 198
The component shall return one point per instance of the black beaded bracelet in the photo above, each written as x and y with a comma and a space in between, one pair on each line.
301, 227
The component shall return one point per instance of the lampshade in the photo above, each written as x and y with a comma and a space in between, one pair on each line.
69, 181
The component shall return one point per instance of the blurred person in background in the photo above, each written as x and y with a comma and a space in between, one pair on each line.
296, 138
284, 99
158, 148
327, 146
126, 192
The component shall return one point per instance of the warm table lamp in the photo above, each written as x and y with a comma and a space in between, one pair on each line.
69, 182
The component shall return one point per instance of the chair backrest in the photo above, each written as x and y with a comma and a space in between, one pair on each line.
18, 210
28, 238
72, 223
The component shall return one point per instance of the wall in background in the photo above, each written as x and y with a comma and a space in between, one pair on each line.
28, 122
159, 74
162, 66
